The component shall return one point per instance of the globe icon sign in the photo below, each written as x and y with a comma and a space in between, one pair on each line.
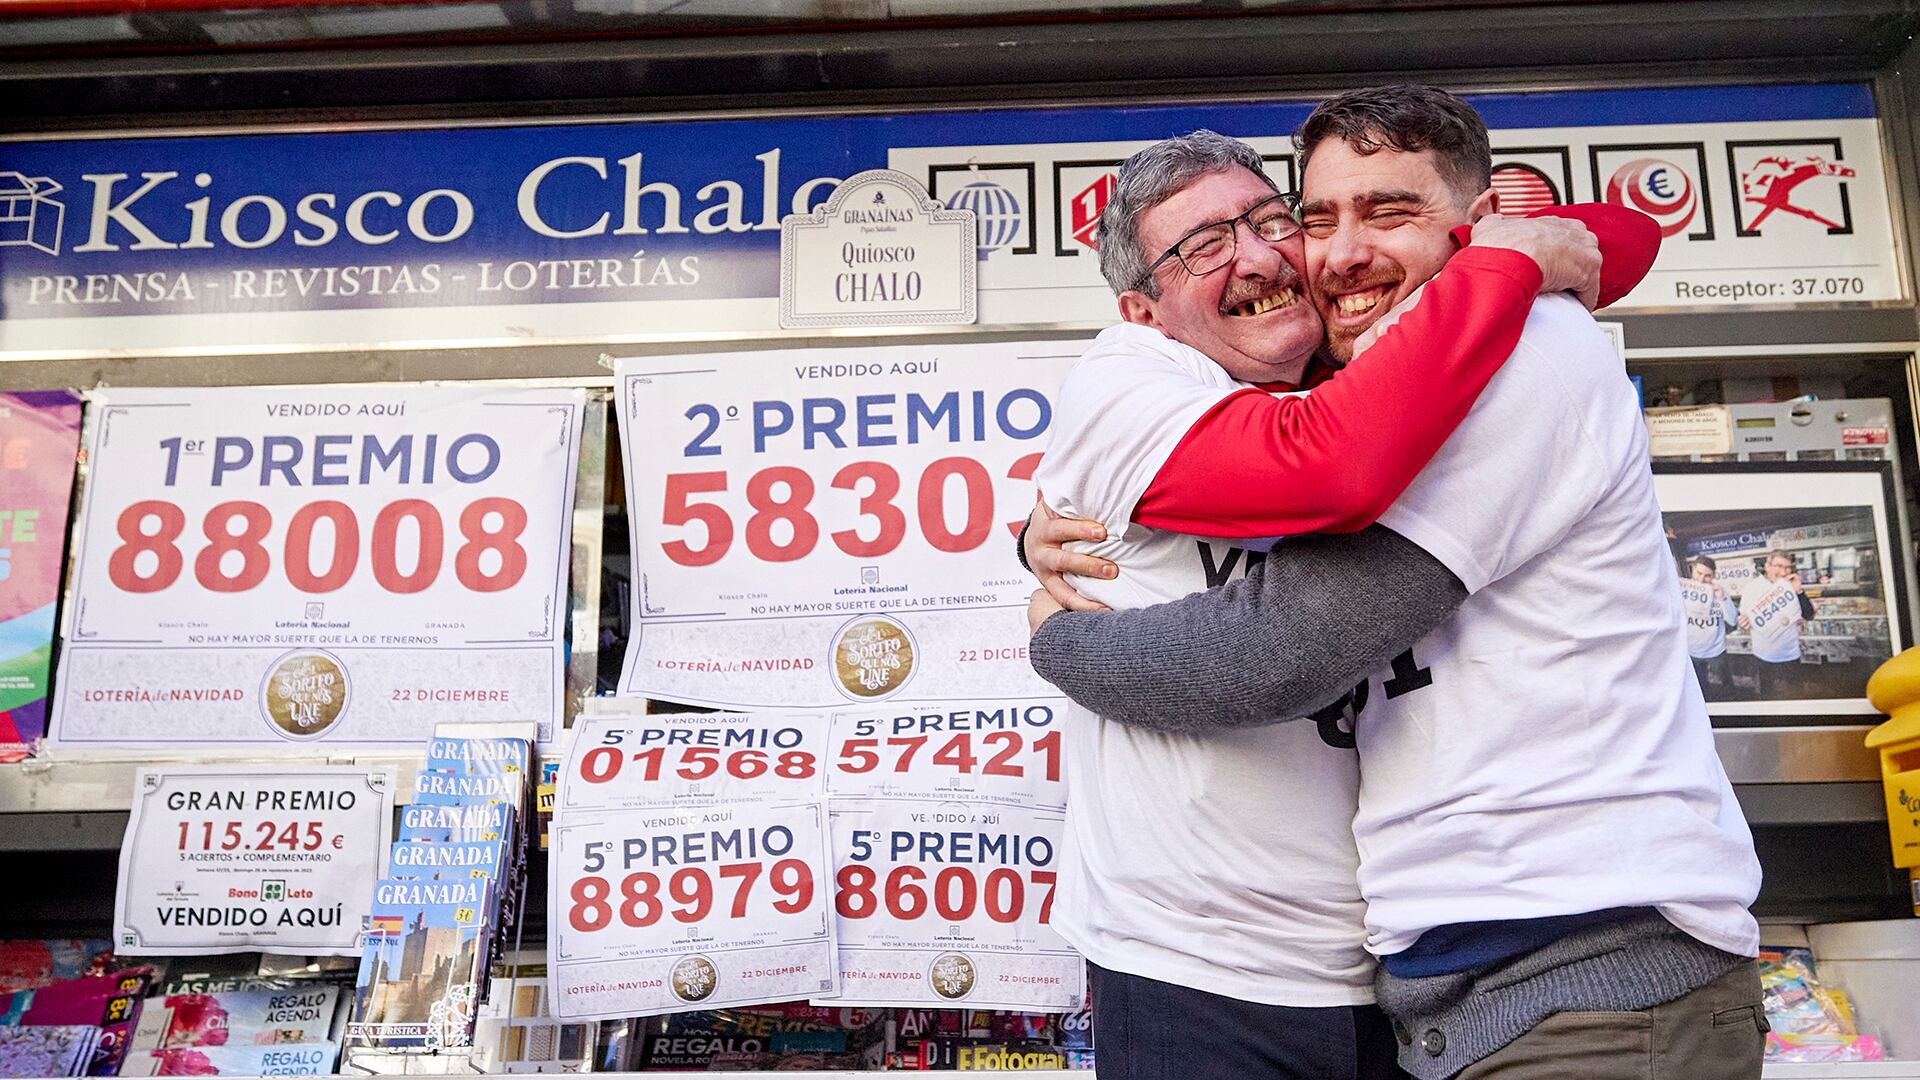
995, 210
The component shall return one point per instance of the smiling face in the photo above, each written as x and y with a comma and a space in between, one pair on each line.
1779, 567
1377, 228
1249, 316
1702, 573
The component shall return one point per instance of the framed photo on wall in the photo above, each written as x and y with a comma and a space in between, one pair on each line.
1793, 580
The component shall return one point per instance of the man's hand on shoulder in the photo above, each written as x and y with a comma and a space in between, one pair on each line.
1566, 252
1045, 548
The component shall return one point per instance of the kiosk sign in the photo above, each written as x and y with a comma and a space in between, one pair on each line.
880, 253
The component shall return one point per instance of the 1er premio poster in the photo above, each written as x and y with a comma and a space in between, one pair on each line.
825, 527
286, 565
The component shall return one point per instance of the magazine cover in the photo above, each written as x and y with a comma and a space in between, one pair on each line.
459, 789
424, 968
46, 1050
237, 1018
455, 824
32, 962
427, 860
291, 1059
477, 757
108, 1002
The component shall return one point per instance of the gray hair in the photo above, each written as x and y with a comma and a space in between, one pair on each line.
1151, 177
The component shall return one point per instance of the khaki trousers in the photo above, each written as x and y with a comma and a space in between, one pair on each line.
1718, 1032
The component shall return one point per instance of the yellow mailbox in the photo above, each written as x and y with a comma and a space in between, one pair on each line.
1894, 689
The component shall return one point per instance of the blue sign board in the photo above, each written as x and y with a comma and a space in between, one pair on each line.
628, 212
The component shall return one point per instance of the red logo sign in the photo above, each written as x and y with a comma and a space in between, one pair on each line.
1659, 189
1087, 206
1523, 189
1771, 182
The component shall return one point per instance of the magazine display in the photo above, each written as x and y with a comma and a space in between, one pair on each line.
455, 875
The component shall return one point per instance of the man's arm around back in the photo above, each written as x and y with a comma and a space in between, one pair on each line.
1300, 630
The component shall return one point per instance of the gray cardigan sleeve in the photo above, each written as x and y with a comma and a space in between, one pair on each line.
1293, 636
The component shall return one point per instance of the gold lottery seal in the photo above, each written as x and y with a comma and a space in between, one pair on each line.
304, 694
872, 657
952, 976
694, 978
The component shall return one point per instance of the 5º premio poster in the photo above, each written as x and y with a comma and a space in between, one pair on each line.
39, 432
274, 566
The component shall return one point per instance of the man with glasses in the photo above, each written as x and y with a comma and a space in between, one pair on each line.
1210, 881
1556, 875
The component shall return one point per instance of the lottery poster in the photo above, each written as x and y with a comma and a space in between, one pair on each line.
39, 433
996, 752
242, 858
820, 528
275, 566
617, 764
666, 911
951, 904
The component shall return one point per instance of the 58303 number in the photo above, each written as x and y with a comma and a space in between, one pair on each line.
785, 493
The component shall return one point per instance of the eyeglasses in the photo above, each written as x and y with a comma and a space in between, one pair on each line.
1213, 245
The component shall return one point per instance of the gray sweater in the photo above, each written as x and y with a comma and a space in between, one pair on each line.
1292, 638
1319, 615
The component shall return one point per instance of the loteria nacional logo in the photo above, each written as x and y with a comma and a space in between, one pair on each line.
1665, 181
1001, 197
1790, 187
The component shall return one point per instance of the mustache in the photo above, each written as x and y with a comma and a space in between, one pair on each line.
1332, 282
1242, 291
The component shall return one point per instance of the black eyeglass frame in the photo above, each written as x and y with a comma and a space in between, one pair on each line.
1289, 199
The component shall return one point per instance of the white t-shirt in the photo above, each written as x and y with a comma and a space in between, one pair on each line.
1707, 619
1222, 862
1547, 751
1772, 609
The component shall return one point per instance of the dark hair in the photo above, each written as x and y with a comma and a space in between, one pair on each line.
1706, 562
1408, 118
1777, 553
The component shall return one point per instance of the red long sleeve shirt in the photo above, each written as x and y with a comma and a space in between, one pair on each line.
1258, 465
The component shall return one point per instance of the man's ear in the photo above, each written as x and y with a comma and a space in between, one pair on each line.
1487, 202
1137, 307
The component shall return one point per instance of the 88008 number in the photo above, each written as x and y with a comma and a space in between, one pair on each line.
235, 557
